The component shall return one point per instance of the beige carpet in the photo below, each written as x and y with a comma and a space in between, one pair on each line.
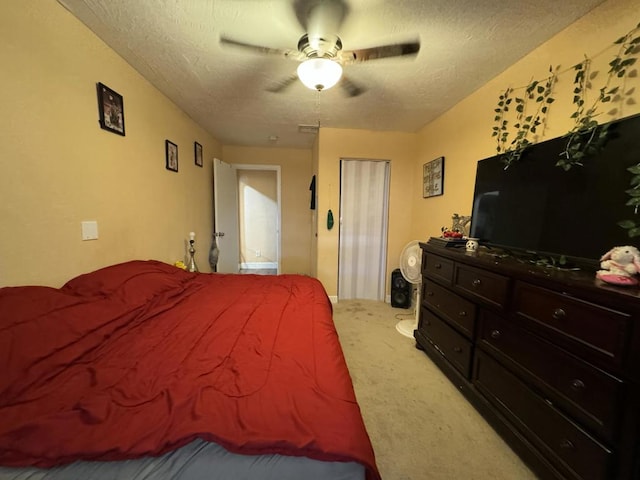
421, 427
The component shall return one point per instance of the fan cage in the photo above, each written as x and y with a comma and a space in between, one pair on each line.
410, 263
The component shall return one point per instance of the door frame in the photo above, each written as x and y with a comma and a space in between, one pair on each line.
229, 226
277, 169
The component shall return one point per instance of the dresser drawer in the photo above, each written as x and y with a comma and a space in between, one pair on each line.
437, 267
583, 391
454, 309
582, 326
453, 346
570, 447
487, 287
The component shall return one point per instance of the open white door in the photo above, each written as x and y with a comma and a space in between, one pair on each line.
225, 200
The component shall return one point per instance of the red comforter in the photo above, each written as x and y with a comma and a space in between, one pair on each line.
141, 358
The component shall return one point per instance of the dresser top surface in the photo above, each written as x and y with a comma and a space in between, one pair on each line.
571, 281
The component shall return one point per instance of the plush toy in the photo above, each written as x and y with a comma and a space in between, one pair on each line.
619, 265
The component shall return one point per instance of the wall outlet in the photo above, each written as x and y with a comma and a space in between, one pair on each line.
89, 230
258, 253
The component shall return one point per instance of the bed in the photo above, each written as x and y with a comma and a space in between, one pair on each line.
143, 370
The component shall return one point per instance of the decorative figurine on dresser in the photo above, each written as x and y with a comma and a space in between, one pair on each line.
460, 223
191, 265
620, 265
550, 357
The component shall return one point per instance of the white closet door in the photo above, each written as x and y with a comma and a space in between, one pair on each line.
364, 207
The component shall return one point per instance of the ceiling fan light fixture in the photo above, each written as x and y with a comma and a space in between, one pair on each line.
319, 73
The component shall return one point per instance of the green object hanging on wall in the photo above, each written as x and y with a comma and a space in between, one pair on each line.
329, 220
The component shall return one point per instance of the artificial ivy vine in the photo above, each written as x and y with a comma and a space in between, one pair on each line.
592, 137
586, 137
633, 229
527, 123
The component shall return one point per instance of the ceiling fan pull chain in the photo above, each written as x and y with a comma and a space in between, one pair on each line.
318, 107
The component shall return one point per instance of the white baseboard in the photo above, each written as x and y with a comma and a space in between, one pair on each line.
334, 299
258, 265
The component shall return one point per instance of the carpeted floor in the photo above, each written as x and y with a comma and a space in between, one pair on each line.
421, 427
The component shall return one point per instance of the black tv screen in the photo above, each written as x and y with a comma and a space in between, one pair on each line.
539, 208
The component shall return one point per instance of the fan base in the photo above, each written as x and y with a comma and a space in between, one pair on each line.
406, 327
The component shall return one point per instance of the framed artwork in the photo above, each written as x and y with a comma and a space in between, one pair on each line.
197, 150
433, 178
171, 153
111, 107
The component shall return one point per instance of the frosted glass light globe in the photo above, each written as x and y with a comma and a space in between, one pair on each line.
319, 73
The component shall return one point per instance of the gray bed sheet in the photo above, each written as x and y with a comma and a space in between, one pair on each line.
198, 460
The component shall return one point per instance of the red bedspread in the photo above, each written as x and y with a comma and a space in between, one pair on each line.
141, 358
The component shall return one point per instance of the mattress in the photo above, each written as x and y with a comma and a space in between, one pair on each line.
199, 460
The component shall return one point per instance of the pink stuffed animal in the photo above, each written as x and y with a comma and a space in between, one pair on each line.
619, 265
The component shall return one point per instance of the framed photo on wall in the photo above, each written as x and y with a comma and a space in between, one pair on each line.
111, 108
171, 153
433, 178
197, 150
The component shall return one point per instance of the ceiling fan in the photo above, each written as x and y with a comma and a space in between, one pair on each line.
319, 50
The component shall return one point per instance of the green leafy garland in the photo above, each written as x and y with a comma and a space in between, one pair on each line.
632, 227
526, 123
586, 137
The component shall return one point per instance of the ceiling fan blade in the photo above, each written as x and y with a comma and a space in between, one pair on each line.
384, 51
283, 84
350, 88
293, 54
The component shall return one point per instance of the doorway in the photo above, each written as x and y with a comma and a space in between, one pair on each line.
259, 218
364, 212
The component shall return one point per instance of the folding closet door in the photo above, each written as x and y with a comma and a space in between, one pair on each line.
364, 211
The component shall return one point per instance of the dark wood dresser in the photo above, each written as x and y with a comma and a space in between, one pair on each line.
550, 358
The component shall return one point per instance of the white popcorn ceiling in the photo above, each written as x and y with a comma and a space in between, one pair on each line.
174, 44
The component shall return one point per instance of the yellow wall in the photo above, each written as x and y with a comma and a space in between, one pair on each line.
295, 171
59, 168
463, 134
334, 144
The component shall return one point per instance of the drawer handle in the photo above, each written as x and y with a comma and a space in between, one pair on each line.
429, 294
457, 349
495, 334
462, 313
476, 283
438, 266
559, 314
566, 444
577, 384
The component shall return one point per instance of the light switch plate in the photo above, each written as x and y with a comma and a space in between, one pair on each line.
90, 230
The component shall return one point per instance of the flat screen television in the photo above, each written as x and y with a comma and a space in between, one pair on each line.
539, 209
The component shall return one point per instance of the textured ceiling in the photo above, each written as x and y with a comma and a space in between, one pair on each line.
175, 45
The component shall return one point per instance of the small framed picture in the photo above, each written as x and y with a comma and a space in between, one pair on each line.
111, 107
433, 178
171, 152
197, 150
